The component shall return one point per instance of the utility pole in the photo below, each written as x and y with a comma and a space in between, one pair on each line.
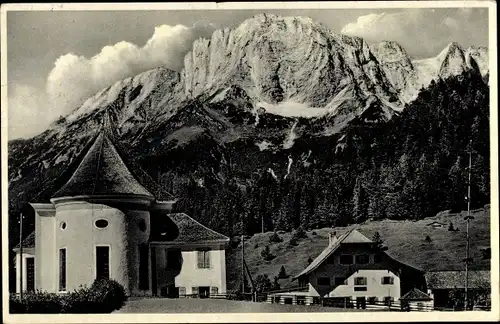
21, 256
242, 263
468, 219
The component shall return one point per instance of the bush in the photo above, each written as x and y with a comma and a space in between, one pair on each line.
282, 274
104, 296
428, 238
300, 233
314, 233
309, 260
35, 303
451, 228
266, 254
293, 242
275, 238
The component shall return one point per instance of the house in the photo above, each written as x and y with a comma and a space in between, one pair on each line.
417, 300
352, 270
102, 223
447, 288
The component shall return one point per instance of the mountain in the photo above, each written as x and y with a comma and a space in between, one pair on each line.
408, 76
280, 120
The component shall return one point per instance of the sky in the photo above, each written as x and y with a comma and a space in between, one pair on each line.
57, 59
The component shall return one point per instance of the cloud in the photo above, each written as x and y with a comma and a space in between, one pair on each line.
27, 113
422, 31
75, 78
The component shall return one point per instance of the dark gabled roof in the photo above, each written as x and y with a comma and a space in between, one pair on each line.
351, 236
416, 295
180, 228
102, 172
456, 279
28, 242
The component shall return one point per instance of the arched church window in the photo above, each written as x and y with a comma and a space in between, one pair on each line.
101, 223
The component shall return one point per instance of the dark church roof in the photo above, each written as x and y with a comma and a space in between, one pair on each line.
416, 295
28, 242
181, 228
102, 172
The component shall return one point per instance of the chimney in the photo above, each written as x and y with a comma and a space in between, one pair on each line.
332, 238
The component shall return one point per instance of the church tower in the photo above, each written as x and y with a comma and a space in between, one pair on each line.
102, 224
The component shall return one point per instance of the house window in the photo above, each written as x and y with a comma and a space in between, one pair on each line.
360, 281
203, 259
372, 300
62, 269
361, 288
30, 275
388, 301
362, 259
143, 266
323, 281
182, 291
340, 281
102, 262
346, 259
387, 280
378, 257
194, 290
214, 291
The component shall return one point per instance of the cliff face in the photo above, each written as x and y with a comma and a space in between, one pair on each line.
409, 76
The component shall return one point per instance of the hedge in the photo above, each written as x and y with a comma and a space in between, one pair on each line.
103, 296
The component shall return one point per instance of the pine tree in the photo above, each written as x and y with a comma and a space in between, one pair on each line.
282, 274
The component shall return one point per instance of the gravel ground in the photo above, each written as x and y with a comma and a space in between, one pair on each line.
190, 306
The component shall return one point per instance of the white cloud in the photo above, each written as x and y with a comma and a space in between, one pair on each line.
386, 26
27, 113
420, 31
75, 78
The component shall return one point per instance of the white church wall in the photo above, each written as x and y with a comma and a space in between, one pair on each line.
80, 238
45, 250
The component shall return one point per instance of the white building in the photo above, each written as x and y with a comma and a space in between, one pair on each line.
104, 224
353, 271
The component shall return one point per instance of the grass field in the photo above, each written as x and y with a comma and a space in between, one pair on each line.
405, 240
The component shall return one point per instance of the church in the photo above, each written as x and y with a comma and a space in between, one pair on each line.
103, 223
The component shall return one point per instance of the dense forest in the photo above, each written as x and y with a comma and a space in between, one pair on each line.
409, 168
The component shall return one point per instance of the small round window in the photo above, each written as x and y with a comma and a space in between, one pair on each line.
101, 223
63, 225
142, 225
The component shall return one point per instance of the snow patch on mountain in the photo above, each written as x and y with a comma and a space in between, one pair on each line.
290, 139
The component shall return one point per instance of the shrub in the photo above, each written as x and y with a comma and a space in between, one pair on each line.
266, 254
428, 238
104, 296
293, 242
300, 233
282, 274
309, 260
275, 238
108, 293
256, 245
451, 228
314, 233
35, 303
263, 283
